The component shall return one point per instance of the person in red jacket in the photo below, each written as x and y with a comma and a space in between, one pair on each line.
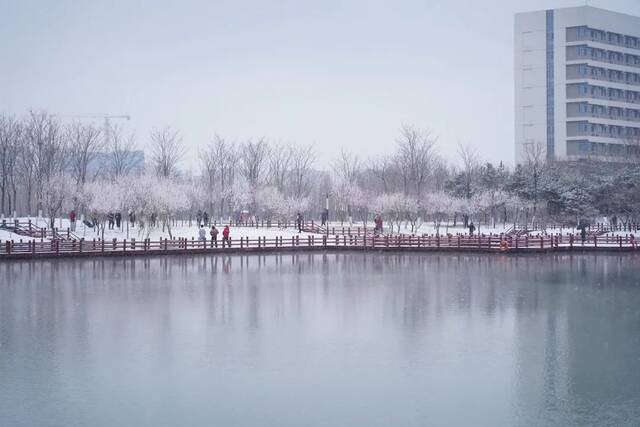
225, 236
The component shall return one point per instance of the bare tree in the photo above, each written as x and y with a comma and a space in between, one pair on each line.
46, 153
385, 171
535, 155
122, 154
441, 172
85, 144
470, 164
10, 134
253, 156
218, 161
302, 160
416, 149
279, 160
347, 169
166, 151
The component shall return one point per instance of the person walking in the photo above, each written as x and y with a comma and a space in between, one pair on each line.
214, 236
205, 218
110, 220
472, 228
118, 219
72, 220
325, 216
299, 222
202, 235
225, 236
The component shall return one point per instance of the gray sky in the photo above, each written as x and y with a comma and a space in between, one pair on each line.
329, 73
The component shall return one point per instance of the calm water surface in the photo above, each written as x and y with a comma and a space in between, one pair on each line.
321, 340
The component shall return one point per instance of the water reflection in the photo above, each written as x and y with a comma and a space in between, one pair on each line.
321, 339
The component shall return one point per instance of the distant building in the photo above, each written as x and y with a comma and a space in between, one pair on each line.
577, 84
128, 161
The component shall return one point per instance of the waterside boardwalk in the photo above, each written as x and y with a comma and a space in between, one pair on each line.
427, 243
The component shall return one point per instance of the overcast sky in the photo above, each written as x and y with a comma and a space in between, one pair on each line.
329, 73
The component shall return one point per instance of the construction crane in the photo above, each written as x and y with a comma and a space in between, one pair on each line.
107, 120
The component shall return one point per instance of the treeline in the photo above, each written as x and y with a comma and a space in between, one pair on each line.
51, 166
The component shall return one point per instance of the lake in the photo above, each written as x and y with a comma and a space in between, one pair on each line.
353, 339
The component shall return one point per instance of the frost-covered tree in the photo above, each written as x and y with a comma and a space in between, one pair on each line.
56, 193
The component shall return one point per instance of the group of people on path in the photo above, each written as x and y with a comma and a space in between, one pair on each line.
114, 219
202, 217
226, 234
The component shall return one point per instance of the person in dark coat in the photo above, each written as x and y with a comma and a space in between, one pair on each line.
325, 216
214, 236
118, 219
299, 222
110, 220
72, 220
472, 228
583, 233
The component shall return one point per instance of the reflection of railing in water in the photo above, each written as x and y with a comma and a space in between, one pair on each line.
481, 243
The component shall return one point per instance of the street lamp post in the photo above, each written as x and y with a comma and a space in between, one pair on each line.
326, 212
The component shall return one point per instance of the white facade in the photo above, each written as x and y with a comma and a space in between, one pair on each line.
577, 84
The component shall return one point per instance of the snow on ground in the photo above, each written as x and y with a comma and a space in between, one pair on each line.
6, 235
184, 231
192, 232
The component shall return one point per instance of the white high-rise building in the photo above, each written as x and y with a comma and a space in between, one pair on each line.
577, 84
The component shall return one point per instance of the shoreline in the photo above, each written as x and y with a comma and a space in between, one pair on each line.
316, 249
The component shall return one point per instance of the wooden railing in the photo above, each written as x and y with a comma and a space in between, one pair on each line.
490, 243
29, 229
